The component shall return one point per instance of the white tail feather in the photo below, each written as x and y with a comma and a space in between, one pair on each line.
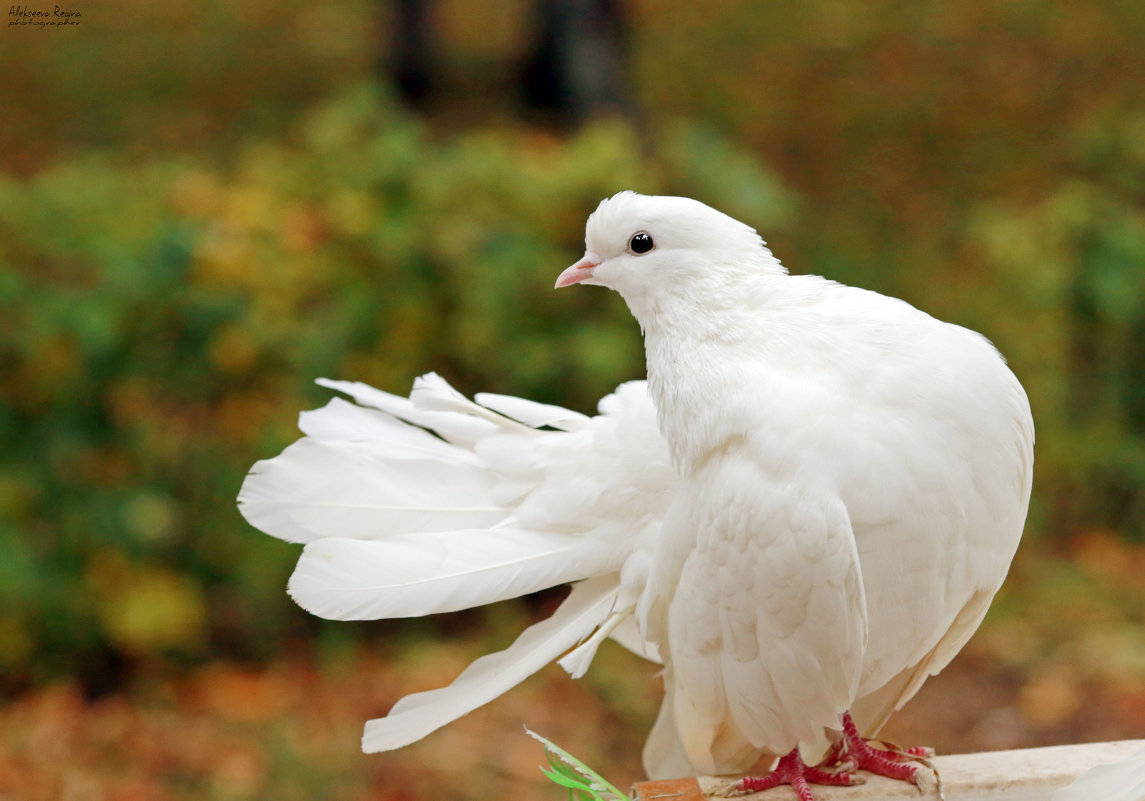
374, 432
317, 489
415, 716
531, 413
462, 429
576, 661
430, 572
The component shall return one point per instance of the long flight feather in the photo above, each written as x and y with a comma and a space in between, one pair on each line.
417, 715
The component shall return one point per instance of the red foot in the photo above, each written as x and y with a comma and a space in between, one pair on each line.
791, 770
891, 764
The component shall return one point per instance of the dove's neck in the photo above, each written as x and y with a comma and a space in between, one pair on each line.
704, 350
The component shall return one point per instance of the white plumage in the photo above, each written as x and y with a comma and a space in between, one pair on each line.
806, 510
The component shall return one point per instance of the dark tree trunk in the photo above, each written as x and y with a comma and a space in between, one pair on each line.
573, 70
412, 61
575, 66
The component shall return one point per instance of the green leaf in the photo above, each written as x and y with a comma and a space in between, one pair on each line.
582, 782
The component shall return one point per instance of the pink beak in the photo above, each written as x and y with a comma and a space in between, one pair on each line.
580, 271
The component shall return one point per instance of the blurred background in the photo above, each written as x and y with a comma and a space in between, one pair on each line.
205, 206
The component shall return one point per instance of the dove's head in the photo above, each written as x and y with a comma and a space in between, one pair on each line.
653, 247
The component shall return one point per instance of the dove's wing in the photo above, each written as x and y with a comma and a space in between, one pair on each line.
766, 623
878, 701
937, 526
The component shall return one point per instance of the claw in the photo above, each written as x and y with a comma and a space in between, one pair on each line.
792, 770
891, 761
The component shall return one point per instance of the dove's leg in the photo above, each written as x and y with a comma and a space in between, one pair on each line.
791, 770
892, 764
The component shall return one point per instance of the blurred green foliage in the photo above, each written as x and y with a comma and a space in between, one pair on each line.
162, 315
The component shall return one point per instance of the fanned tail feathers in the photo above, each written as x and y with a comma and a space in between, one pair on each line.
435, 503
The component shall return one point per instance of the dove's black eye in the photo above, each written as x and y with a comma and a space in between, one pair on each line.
641, 243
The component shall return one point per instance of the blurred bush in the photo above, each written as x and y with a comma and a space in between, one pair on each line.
164, 322
1071, 267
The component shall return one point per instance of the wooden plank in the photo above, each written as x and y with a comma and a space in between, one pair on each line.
1030, 774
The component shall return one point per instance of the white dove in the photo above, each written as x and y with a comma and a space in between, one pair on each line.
805, 513
854, 481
